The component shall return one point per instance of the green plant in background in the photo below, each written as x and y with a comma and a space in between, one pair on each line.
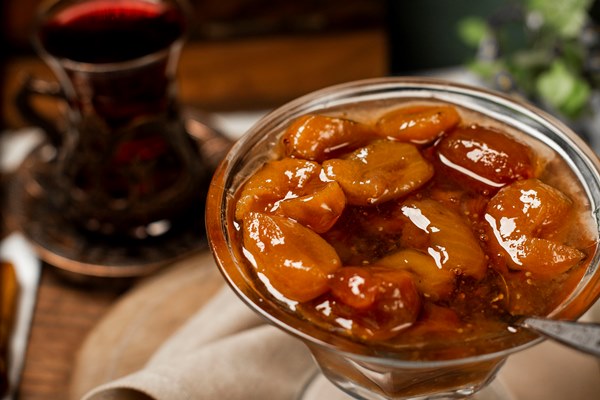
542, 49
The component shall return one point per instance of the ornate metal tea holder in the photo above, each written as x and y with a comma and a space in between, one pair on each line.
33, 207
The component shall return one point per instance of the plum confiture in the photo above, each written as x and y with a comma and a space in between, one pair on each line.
409, 223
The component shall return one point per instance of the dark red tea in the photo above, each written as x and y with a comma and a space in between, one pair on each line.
105, 31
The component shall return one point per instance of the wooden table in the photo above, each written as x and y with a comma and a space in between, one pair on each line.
229, 75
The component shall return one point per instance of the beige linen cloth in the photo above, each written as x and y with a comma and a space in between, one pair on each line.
224, 351
183, 334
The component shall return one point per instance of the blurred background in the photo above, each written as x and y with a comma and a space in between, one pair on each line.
258, 54
228, 19
254, 55
240, 53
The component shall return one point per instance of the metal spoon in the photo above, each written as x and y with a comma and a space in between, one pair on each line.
582, 336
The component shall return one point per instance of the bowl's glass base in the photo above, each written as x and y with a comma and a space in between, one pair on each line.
321, 388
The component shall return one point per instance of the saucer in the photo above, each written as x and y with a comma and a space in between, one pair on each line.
78, 254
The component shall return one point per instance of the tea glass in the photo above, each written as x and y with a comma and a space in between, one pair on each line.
360, 370
124, 163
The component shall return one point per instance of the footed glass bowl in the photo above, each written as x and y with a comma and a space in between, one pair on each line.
361, 370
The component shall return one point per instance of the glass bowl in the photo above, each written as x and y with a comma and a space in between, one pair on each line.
361, 370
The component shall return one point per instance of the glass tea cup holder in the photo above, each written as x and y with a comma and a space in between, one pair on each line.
366, 371
118, 187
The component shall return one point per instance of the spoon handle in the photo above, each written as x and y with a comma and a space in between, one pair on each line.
581, 336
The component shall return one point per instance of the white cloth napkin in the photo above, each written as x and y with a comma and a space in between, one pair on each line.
17, 250
223, 352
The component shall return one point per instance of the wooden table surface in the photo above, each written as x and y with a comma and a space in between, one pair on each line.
215, 76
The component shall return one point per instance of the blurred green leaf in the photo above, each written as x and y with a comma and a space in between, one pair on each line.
486, 69
565, 17
472, 30
577, 102
556, 84
563, 89
538, 53
532, 58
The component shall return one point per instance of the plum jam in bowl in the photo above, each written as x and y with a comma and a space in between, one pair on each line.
399, 226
